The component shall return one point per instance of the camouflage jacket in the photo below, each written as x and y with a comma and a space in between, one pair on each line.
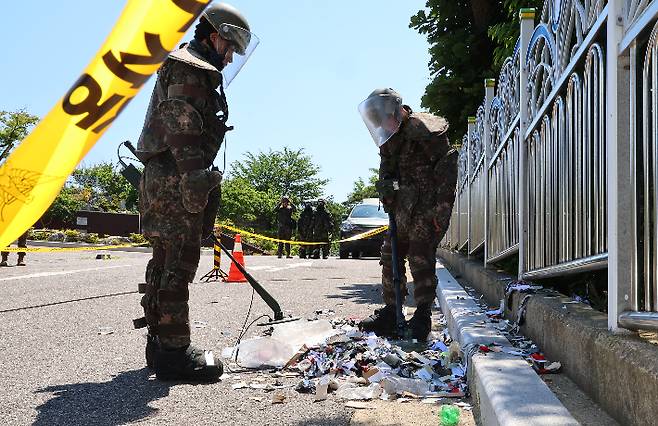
182, 116
284, 216
322, 223
305, 224
419, 158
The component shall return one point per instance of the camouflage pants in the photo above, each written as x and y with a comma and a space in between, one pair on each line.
324, 248
285, 233
417, 242
175, 235
305, 250
21, 243
165, 303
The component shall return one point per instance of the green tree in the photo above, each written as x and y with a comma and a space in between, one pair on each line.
105, 187
363, 190
285, 172
505, 34
469, 40
63, 211
14, 127
255, 185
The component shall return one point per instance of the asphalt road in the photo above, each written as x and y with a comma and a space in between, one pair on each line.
55, 367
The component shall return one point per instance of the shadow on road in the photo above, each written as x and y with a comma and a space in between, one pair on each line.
367, 294
123, 399
364, 294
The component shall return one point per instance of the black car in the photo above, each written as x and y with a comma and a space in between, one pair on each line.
366, 216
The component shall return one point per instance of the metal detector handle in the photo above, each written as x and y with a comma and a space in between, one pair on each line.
393, 235
267, 297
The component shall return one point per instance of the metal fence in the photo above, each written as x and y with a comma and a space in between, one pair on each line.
564, 156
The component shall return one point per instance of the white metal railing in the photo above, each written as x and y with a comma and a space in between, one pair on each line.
502, 233
638, 305
562, 163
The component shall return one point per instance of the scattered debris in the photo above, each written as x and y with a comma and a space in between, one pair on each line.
360, 405
278, 398
200, 324
334, 357
104, 331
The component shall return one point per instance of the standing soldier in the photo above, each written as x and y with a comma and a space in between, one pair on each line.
322, 226
305, 230
417, 178
21, 243
184, 128
286, 224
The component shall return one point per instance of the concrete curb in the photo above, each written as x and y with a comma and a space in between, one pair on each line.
506, 389
618, 371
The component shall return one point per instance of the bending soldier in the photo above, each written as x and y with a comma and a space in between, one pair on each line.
305, 230
417, 178
179, 195
286, 224
322, 226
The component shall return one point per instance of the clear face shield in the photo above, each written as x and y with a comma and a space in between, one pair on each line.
382, 117
244, 43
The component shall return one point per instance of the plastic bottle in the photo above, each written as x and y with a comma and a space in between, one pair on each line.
449, 415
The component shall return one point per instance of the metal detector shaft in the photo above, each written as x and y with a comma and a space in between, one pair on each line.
393, 235
267, 297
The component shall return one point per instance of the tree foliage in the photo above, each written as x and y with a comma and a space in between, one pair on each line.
469, 40
105, 188
363, 189
14, 127
100, 187
256, 184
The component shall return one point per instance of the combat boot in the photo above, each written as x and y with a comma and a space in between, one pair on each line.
421, 323
152, 348
188, 363
3, 263
382, 322
20, 260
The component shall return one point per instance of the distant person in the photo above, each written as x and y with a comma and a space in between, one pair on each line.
21, 243
286, 224
322, 226
305, 230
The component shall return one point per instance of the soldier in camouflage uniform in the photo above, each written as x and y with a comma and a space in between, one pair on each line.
179, 194
305, 230
417, 178
286, 224
322, 226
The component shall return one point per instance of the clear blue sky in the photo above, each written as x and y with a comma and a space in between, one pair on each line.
317, 60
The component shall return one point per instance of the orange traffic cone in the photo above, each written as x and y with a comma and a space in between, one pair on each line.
234, 275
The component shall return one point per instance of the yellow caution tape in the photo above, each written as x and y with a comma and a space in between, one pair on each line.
35, 172
306, 243
58, 249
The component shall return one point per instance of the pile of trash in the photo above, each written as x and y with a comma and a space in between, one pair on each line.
334, 356
521, 346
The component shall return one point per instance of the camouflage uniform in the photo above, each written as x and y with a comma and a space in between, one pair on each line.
322, 226
285, 226
21, 243
418, 156
179, 196
305, 230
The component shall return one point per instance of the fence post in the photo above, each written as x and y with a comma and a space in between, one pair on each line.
489, 87
527, 17
469, 165
621, 243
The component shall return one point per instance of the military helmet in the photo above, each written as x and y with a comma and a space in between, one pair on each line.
230, 24
386, 92
380, 112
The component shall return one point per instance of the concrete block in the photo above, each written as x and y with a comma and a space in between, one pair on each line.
507, 390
